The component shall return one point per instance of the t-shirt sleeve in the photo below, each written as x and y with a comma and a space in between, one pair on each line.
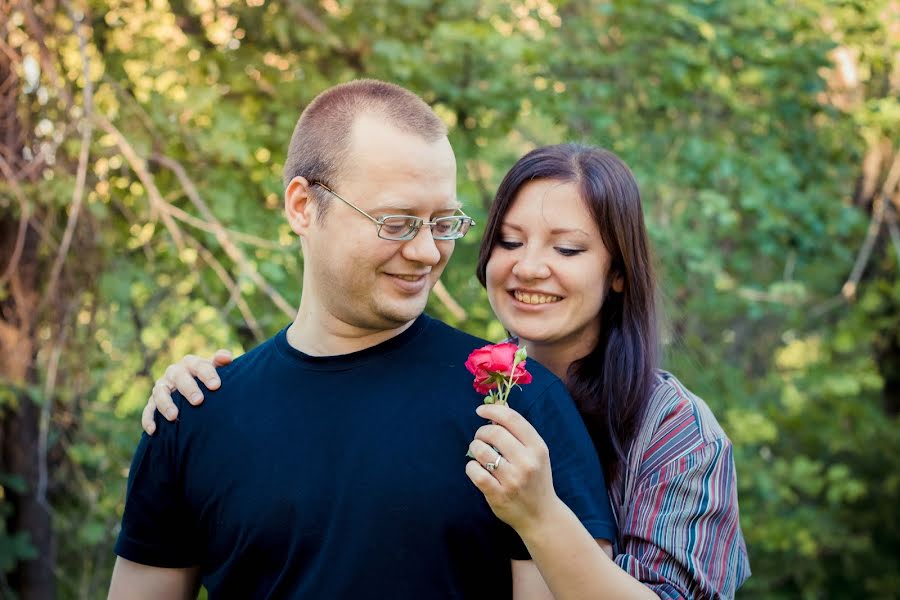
157, 527
577, 474
696, 551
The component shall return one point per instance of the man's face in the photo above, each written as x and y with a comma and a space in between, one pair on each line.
358, 278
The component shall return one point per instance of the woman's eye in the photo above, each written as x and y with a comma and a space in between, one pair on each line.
508, 244
569, 251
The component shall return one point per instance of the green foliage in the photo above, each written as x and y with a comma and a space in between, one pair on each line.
15, 546
745, 152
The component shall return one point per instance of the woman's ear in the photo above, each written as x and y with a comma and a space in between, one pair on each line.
618, 284
299, 206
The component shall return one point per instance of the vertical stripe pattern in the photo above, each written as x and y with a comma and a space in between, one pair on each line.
676, 501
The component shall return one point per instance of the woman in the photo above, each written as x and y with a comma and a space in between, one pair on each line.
566, 262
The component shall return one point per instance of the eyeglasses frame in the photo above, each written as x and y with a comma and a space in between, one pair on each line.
379, 223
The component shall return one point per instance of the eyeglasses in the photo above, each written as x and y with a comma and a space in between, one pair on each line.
401, 228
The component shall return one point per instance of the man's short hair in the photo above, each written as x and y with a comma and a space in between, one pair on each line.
322, 138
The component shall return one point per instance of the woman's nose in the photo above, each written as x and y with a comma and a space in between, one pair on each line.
531, 266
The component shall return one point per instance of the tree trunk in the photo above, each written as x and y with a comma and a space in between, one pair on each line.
19, 423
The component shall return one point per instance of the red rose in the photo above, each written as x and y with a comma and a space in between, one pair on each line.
496, 364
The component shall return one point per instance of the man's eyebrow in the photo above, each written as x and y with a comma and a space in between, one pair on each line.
398, 209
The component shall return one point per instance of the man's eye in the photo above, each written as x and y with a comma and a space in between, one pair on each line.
395, 226
443, 227
509, 245
569, 251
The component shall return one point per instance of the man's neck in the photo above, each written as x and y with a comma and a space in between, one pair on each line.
317, 336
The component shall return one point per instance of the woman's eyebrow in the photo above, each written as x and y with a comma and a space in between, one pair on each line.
554, 231
560, 230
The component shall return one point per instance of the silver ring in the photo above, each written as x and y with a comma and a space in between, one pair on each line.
493, 466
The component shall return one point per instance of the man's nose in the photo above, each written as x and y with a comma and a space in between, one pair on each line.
422, 248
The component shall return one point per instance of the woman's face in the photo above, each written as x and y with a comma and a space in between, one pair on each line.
546, 277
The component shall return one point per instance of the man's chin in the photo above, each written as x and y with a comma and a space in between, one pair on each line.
402, 313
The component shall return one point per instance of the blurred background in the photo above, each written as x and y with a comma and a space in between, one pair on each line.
141, 148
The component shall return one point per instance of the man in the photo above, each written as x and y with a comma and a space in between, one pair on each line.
331, 464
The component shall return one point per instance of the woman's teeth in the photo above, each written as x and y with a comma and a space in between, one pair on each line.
535, 298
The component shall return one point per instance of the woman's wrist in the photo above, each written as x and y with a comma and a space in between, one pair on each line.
544, 521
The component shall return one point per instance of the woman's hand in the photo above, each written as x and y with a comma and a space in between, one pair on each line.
180, 376
519, 488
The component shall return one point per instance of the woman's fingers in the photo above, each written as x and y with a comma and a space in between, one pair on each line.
521, 483
219, 359
506, 444
513, 422
519, 465
483, 453
161, 399
203, 369
147, 418
180, 376
483, 480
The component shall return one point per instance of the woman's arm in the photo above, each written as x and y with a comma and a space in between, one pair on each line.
520, 492
696, 551
573, 564
134, 581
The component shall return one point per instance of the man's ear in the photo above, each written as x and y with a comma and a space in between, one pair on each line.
299, 205
618, 284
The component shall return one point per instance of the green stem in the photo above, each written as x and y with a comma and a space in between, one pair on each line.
509, 383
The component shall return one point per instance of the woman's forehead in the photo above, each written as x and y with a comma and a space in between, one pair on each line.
554, 204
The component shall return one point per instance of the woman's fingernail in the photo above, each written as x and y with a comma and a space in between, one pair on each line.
152, 429
214, 381
171, 413
196, 397
480, 410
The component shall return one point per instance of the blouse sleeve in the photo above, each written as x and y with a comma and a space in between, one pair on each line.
681, 536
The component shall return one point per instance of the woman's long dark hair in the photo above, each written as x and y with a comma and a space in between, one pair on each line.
612, 384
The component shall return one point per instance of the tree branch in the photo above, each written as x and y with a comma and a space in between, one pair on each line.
38, 35
246, 238
894, 232
849, 288
81, 175
157, 203
878, 213
233, 251
448, 301
47, 411
23, 222
232, 286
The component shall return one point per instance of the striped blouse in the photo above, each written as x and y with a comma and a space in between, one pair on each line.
676, 501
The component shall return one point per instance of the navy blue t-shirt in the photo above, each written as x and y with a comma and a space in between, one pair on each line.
344, 476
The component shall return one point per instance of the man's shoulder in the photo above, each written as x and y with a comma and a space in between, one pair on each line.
251, 362
450, 339
442, 342
250, 368
438, 330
